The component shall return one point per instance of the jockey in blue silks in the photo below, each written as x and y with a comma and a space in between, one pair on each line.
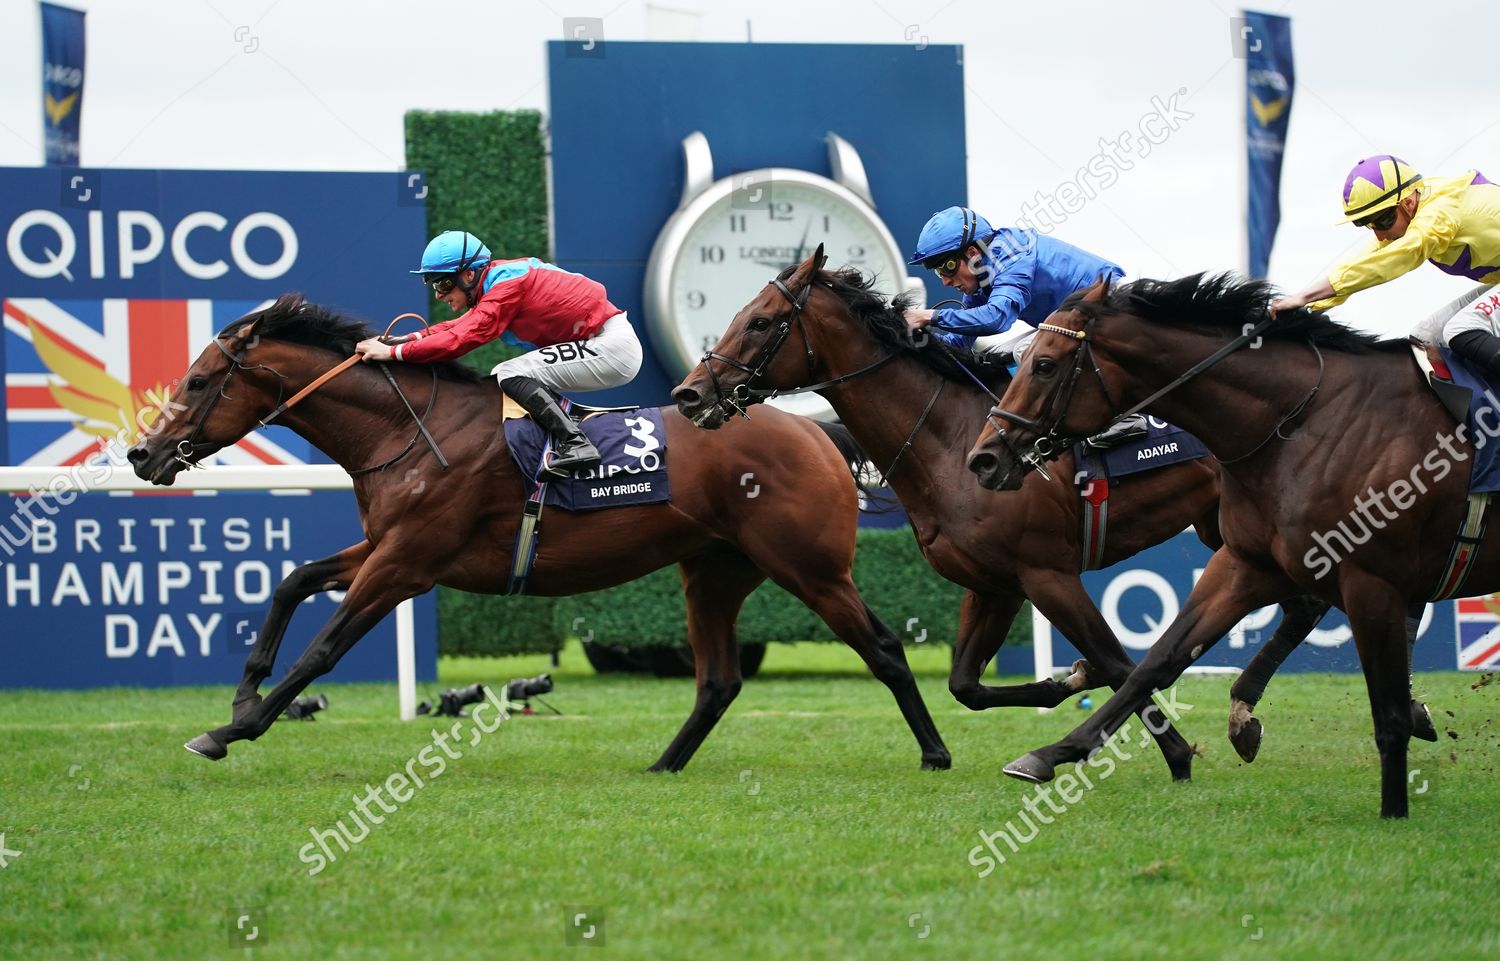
1004, 274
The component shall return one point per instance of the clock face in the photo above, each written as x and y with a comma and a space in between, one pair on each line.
728, 244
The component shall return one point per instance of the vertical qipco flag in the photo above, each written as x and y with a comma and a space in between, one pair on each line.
1266, 41
62, 82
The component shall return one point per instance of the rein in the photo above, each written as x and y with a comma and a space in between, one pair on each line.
188, 448
1053, 441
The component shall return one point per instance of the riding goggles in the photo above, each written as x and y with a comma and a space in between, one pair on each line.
441, 284
1384, 220
946, 265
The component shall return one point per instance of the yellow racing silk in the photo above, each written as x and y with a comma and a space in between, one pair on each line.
1456, 227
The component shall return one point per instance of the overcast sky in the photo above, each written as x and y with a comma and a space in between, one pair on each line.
319, 85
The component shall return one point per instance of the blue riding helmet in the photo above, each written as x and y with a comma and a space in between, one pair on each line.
948, 231
452, 251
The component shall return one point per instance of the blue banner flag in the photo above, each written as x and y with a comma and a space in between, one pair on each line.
62, 81
1269, 79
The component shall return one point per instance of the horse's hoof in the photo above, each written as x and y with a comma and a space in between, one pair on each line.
205, 746
1030, 767
1079, 678
1421, 722
940, 762
1246, 740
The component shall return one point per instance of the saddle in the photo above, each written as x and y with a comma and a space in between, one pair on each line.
1455, 397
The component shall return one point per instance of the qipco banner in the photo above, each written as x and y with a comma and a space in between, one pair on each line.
1140, 596
112, 282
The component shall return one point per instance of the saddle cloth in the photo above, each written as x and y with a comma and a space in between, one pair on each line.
1473, 403
632, 444
1161, 446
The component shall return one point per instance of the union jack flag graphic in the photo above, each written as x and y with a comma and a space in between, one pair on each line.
79, 373
1478, 632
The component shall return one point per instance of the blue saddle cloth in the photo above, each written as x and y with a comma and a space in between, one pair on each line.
1161, 446
1483, 434
633, 448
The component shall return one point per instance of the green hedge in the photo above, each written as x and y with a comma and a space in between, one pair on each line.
485, 173
889, 570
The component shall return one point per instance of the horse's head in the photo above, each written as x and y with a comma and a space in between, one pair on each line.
749, 360
1050, 402
222, 397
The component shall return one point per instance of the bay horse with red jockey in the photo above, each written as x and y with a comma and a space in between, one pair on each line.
428, 524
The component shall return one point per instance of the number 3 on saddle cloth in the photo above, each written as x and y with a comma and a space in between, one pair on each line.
632, 448
1472, 401
1098, 470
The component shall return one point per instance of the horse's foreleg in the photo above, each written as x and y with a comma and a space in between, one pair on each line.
1228, 590
716, 585
983, 622
1377, 618
1299, 615
334, 573
1062, 598
384, 581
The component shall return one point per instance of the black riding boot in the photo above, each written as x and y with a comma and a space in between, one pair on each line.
1481, 347
571, 450
1120, 431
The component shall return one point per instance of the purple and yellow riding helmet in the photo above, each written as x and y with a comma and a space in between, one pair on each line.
1376, 184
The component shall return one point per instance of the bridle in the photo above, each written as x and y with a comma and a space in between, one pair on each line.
1052, 440
188, 449
743, 394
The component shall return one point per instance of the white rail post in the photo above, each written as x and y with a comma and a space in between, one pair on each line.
1041, 648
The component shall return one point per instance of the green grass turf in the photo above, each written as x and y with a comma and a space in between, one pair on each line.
803, 829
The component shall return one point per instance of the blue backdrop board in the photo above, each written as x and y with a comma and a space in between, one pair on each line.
1140, 596
112, 282
149, 591
620, 110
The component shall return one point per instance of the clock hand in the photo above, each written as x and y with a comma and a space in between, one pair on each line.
802, 244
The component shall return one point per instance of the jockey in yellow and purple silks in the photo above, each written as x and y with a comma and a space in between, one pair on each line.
1453, 222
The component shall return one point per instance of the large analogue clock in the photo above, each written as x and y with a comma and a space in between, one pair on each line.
730, 237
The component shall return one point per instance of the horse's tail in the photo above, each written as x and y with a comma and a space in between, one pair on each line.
859, 464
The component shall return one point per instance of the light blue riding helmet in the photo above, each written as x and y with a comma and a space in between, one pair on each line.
452, 251
948, 231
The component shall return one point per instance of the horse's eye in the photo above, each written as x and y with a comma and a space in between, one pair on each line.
759, 324
1044, 366
197, 383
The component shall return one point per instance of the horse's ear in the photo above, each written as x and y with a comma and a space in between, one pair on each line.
809, 268
1097, 291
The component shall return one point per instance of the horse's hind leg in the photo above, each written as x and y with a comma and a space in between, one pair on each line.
334, 573
1062, 598
983, 622
1299, 615
836, 600
716, 584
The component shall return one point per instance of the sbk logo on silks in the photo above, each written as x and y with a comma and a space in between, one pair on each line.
560, 353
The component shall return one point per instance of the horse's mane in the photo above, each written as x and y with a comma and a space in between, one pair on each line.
1223, 301
292, 319
885, 321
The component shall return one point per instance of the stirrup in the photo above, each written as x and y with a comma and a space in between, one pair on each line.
578, 455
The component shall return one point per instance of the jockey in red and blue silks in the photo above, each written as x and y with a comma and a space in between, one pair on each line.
1005, 275
583, 341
